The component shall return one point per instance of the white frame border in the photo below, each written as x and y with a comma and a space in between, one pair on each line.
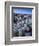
33, 25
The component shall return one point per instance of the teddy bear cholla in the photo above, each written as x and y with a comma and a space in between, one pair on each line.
21, 24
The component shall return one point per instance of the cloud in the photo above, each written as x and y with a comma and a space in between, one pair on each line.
22, 11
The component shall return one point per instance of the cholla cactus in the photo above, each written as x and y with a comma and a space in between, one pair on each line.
23, 23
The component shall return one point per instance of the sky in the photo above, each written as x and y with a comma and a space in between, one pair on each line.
23, 11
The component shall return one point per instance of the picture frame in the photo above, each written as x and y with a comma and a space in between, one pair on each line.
22, 11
